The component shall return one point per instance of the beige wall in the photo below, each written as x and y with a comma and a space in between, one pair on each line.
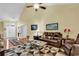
1, 27
66, 15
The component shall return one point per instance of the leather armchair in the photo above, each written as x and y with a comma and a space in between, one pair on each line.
72, 48
75, 50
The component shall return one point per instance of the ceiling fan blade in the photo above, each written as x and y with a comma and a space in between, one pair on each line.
29, 6
40, 3
36, 9
42, 7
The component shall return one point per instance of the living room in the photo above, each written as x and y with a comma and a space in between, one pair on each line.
51, 18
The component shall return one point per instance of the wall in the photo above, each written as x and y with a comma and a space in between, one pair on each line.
67, 15
1, 27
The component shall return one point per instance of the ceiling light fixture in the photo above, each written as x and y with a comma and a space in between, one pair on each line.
36, 7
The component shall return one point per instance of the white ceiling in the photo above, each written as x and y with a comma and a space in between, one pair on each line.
13, 10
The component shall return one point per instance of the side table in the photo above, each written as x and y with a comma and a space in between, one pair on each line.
37, 37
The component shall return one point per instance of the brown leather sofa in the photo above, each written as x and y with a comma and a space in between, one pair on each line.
72, 48
52, 35
52, 38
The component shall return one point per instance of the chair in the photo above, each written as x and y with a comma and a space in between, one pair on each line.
72, 49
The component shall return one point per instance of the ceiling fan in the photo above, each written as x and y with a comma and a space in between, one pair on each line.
36, 6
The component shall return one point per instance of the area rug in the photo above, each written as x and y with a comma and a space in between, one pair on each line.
35, 48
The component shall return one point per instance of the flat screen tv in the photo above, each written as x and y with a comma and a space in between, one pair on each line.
34, 27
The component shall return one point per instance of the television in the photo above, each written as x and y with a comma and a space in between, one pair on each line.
34, 27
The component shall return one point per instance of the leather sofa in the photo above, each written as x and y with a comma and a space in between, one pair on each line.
72, 49
52, 38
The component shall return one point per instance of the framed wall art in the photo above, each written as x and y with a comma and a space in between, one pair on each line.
52, 26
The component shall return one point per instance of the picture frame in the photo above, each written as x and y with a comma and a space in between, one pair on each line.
34, 27
52, 26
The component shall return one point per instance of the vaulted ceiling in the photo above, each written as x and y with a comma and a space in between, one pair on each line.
12, 10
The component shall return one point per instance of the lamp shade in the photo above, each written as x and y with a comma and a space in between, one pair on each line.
69, 30
65, 30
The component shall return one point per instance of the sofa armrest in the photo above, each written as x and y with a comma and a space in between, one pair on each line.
70, 41
59, 41
76, 45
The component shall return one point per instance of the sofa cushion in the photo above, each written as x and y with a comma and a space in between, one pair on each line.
56, 38
54, 41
